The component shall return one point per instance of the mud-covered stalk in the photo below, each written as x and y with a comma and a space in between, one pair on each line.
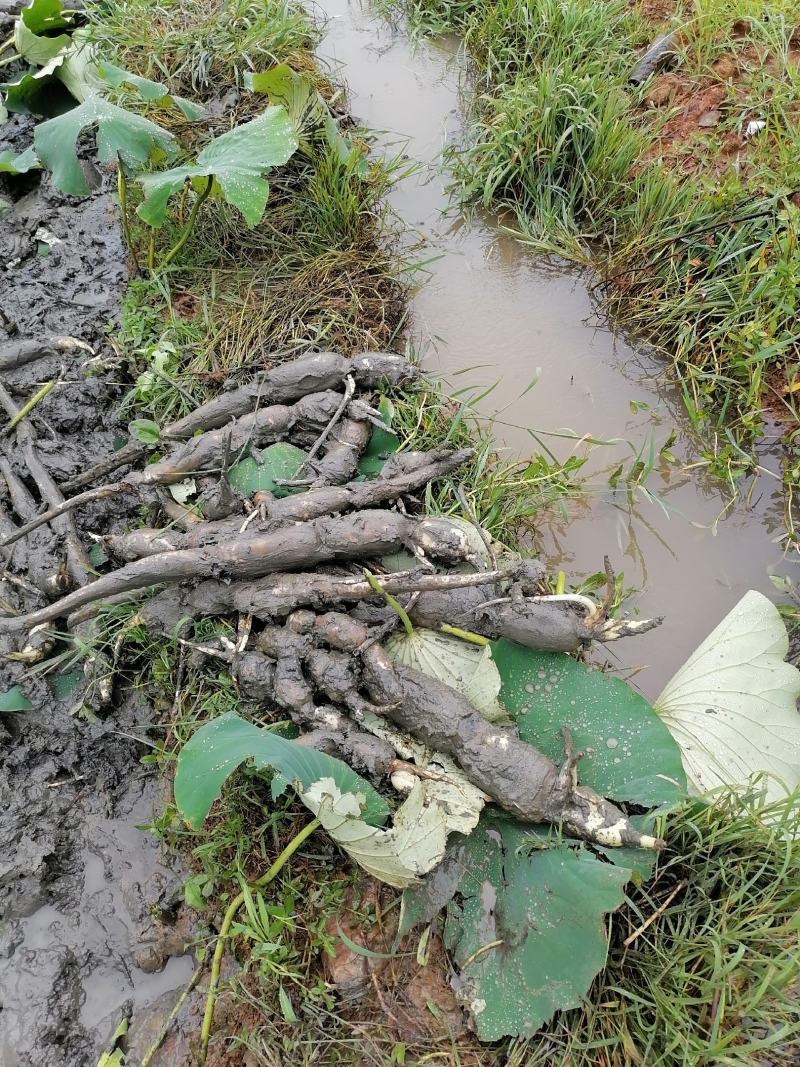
358, 536
516, 775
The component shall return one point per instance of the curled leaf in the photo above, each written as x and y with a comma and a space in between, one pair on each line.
284, 86
41, 16
398, 856
35, 49
120, 135
17, 163
183, 491
154, 92
732, 707
145, 430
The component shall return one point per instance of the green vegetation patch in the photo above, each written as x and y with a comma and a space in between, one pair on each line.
245, 268
681, 192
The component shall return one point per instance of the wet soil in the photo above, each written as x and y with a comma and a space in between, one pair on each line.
701, 122
86, 907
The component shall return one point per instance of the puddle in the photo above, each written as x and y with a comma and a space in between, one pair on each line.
491, 313
80, 890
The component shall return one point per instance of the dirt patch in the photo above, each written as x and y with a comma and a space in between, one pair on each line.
412, 997
698, 105
657, 11
780, 394
695, 138
83, 893
88, 907
704, 121
234, 1016
382, 999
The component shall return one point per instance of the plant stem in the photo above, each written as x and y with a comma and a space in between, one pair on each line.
227, 922
393, 603
465, 635
151, 251
182, 201
9, 59
122, 190
187, 230
31, 404
148, 1057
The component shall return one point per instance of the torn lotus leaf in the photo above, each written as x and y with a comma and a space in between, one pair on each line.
460, 800
527, 929
399, 856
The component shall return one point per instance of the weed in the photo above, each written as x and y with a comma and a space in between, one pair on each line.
709, 978
202, 48
556, 150
322, 271
505, 496
508, 38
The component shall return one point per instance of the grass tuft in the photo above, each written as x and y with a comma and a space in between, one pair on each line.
202, 48
712, 979
692, 226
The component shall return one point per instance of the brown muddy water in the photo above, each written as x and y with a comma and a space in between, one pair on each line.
492, 314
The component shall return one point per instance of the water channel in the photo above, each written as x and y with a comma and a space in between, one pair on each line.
492, 313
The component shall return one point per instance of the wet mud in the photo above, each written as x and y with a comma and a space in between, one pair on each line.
87, 910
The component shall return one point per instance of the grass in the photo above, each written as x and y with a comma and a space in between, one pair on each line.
712, 978
321, 271
505, 497
202, 48
693, 229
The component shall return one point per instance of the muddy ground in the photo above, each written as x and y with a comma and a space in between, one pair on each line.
87, 909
